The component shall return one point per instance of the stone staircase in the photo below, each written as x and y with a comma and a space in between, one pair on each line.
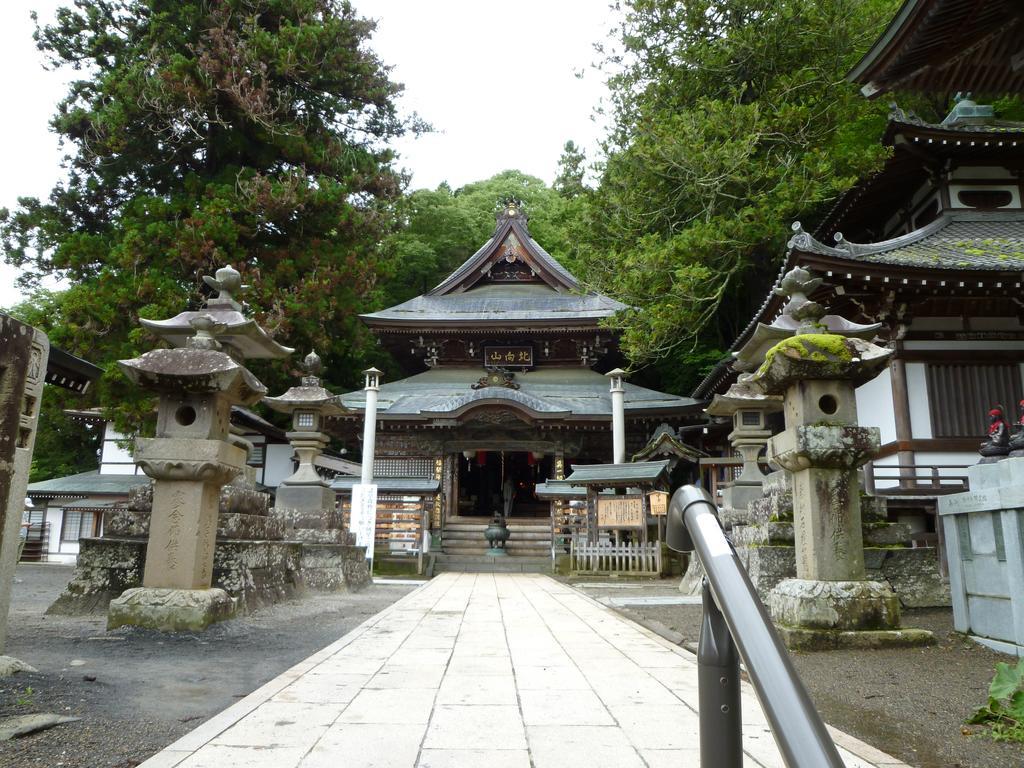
464, 547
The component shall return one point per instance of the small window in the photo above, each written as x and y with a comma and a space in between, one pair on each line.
985, 198
304, 419
77, 524
751, 419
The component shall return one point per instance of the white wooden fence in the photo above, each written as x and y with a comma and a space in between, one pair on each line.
607, 557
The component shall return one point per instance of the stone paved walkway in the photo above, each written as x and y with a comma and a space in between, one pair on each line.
495, 670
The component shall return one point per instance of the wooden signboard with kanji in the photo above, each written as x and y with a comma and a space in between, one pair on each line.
620, 512
508, 357
658, 503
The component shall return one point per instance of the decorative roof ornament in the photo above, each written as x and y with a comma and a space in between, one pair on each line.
206, 327
510, 207
800, 315
227, 282
221, 323
312, 365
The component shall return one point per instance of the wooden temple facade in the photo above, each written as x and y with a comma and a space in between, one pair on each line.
505, 391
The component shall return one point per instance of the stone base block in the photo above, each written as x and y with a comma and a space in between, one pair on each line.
106, 567
243, 501
885, 534
775, 506
831, 640
762, 534
236, 525
323, 536
335, 567
913, 575
834, 605
732, 517
170, 610
121, 521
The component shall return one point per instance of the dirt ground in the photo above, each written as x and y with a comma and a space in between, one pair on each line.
137, 691
911, 703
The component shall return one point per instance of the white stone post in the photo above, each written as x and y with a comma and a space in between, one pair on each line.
618, 416
370, 424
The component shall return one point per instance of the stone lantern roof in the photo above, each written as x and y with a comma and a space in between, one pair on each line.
194, 370
311, 395
241, 337
799, 316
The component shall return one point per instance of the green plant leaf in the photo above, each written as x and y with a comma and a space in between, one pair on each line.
1006, 681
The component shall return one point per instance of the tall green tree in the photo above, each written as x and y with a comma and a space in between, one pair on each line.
730, 119
205, 132
572, 169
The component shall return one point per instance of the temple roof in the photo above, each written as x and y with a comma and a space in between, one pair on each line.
968, 240
546, 393
500, 305
606, 475
920, 150
86, 484
946, 46
511, 279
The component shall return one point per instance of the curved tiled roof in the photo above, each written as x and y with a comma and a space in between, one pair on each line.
500, 304
549, 393
969, 240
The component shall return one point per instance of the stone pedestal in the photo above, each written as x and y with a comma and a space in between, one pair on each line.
170, 610
984, 533
188, 477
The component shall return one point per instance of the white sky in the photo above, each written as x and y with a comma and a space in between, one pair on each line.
496, 80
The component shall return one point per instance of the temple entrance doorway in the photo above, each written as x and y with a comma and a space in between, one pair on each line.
502, 481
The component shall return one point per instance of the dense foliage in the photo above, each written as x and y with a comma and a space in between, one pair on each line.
730, 119
205, 132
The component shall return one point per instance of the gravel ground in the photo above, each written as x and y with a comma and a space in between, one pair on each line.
911, 703
137, 691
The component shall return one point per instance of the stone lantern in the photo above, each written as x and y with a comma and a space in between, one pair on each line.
748, 411
305, 499
192, 456
830, 603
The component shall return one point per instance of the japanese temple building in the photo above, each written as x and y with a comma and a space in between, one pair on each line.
931, 247
506, 390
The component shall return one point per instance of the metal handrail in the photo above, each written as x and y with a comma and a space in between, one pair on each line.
735, 620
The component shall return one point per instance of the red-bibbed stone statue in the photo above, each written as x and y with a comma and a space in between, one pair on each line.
1017, 438
997, 446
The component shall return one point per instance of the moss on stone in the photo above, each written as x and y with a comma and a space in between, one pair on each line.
822, 348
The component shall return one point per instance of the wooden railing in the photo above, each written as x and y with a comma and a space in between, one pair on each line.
36, 543
914, 479
607, 557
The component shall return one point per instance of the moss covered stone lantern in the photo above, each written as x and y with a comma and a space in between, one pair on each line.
816, 370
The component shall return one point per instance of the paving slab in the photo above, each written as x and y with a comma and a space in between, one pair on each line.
488, 669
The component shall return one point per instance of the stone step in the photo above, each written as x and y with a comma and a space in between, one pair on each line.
489, 564
513, 536
512, 551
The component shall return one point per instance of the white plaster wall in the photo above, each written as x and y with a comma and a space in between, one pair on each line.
917, 394
277, 464
875, 408
115, 460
